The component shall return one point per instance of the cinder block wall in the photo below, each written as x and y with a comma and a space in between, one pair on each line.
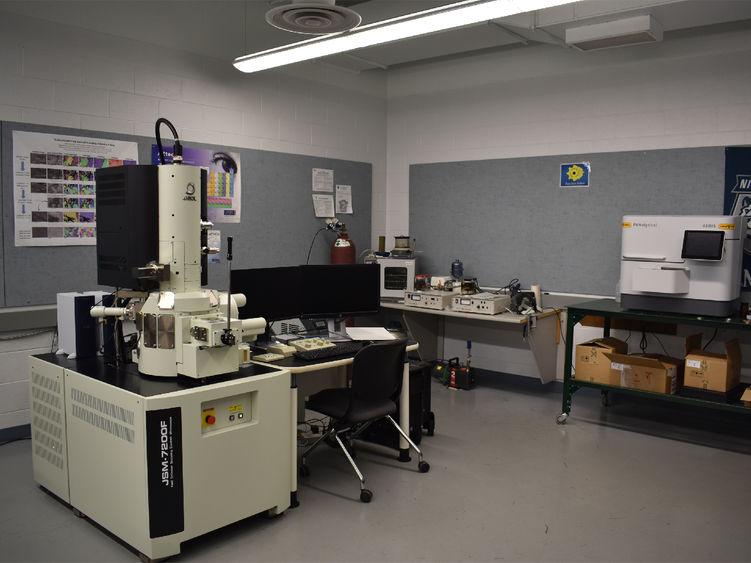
67, 76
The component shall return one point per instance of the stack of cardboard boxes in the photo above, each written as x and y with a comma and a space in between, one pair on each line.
606, 361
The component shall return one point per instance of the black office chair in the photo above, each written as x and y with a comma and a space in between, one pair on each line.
377, 373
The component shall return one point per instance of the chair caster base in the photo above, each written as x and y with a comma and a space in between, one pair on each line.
423, 466
366, 495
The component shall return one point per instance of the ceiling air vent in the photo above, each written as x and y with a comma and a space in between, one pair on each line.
315, 18
616, 33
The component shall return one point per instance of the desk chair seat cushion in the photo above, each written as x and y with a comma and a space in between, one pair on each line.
342, 407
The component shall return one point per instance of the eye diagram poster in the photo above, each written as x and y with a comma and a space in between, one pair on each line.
223, 189
53, 185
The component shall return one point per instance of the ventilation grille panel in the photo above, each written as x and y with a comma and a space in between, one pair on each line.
100, 413
47, 419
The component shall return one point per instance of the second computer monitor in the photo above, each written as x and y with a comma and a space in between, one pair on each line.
340, 290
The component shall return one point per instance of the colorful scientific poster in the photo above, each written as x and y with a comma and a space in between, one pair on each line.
223, 169
53, 185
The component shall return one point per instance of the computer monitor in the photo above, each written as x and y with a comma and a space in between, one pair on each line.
336, 291
272, 293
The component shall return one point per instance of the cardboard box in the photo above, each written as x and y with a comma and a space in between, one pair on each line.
711, 371
659, 374
591, 363
746, 397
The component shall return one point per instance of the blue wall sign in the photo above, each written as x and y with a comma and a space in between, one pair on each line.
575, 175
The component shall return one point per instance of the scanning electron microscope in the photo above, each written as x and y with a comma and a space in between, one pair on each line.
184, 329
183, 437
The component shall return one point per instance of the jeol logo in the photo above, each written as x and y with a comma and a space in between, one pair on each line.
190, 192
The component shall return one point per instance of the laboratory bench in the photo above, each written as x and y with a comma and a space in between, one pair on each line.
608, 310
537, 334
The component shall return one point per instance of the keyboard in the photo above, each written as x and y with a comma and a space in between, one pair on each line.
338, 349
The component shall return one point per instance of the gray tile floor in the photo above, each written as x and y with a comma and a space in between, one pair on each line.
637, 481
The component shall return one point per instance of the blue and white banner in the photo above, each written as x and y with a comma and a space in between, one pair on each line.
738, 198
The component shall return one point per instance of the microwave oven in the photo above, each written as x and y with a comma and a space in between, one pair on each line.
397, 276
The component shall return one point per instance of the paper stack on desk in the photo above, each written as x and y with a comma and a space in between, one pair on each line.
369, 333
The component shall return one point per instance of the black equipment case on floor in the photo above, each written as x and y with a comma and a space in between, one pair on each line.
420, 415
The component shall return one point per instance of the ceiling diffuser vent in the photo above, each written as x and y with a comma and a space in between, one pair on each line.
615, 33
315, 18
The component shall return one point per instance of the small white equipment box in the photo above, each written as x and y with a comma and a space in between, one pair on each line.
483, 303
438, 300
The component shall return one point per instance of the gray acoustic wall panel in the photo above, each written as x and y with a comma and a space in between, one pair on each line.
509, 218
276, 229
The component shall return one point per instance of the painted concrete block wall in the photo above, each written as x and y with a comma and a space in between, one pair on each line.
54, 74
689, 91
548, 100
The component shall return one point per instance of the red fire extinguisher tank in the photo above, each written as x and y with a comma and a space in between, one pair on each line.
343, 249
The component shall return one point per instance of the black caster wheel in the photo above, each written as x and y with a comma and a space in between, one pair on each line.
366, 495
423, 466
304, 471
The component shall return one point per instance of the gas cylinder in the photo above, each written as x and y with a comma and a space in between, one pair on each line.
343, 248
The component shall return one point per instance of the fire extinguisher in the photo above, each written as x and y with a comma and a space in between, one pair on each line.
343, 248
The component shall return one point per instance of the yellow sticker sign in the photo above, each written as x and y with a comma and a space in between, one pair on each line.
235, 408
626, 225
726, 226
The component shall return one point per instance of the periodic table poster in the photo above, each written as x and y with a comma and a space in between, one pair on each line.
53, 185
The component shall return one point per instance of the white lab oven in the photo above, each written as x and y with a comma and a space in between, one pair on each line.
397, 276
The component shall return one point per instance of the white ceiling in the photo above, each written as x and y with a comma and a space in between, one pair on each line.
226, 29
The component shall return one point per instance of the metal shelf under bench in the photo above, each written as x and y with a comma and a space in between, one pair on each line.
609, 309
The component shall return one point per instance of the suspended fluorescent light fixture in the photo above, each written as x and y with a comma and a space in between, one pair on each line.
413, 25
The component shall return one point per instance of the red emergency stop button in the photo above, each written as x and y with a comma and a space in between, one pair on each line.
210, 419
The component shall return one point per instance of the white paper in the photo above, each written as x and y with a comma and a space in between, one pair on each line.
323, 180
344, 199
214, 240
323, 205
53, 185
369, 333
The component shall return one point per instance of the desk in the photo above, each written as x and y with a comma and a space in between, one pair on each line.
539, 332
296, 366
608, 309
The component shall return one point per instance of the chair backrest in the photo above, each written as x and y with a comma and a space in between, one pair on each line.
377, 370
